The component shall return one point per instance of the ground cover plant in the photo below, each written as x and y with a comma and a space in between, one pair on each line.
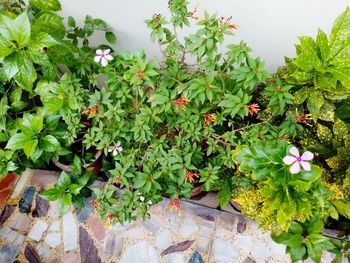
206, 117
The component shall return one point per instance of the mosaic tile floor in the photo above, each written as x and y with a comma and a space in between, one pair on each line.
32, 231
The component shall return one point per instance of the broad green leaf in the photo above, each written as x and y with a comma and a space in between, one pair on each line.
342, 74
308, 59
301, 76
6, 47
41, 40
340, 129
327, 111
63, 181
322, 44
298, 253
49, 22
33, 122
67, 199
111, 38
29, 147
52, 102
325, 81
315, 102
75, 188
49, 143
17, 141
71, 21
225, 193
342, 207
20, 29
300, 95
324, 134
315, 225
27, 75
158, 99
12, 65
339, 38
46, 5
51, 194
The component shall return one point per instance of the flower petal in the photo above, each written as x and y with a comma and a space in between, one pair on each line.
294, 150
105, 52
119, 149
108, 57
115, 152
306, 166
104, 62
99, 52
289, 159
97, 59
307, 156
295, 168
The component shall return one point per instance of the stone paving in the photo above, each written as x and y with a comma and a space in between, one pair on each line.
32, 231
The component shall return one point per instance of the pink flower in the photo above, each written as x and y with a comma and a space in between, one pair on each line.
104, 56
298, 160
117, 148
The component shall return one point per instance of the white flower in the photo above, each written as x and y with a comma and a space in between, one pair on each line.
298, 160
142, 198
116, 149
104, 56
150, 202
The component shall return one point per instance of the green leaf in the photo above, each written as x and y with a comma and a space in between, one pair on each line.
315, 102
17, 141
41, 40
324, 134
71, 21
342, 74
51, 194
63, 181
308, 59
49, 22
339, 38
340, 129
327, 111
12, 64
225, 193
158, 99
6, 47
140, 180
342, 207
33, 123
49, 143
20, 29
75, 188
298, 253
111, 38
301, 95
67, 200
29, 147
322, 44
26, 77
46, 5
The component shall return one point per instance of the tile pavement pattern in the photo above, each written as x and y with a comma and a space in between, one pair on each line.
32, 231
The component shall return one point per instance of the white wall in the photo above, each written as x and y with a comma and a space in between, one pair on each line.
270, 27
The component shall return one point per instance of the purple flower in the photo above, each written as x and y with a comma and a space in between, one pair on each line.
104, 56
298, 160
116, 149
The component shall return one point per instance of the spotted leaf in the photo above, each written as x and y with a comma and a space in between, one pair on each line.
324, 134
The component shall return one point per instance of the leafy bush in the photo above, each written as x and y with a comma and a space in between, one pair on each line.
169, 128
